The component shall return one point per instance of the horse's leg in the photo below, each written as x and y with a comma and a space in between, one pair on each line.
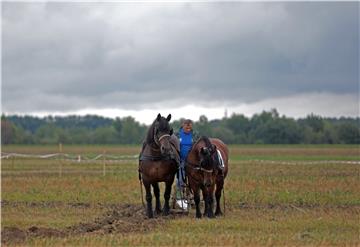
219, 187
210, 201
157, 197
168, 184
149, 211
204, 193
197, 201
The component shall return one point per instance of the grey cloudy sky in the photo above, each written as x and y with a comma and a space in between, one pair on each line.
144, 57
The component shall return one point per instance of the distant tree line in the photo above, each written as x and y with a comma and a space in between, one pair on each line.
264, 128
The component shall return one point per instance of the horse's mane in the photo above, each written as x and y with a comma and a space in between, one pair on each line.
208, 144
205, 139
163, 125
150, 133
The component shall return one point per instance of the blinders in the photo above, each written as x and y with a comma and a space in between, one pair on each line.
208, 158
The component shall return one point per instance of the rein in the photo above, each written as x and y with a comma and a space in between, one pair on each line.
141, 189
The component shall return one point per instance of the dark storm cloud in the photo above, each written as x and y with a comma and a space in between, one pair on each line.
70, 56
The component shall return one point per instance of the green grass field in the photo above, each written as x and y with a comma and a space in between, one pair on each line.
281, 200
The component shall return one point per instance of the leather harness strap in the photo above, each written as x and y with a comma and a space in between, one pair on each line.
198, 167
154, 158
161, 137
159, 157
157, 141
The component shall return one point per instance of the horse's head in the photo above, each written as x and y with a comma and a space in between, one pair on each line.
162, 133
207, 160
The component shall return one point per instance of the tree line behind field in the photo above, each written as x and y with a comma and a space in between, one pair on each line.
264, 128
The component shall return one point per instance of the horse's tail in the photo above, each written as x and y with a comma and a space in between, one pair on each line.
141, 189
139, 165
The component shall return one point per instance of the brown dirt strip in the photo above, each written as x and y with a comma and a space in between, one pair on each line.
119, 219
52, 204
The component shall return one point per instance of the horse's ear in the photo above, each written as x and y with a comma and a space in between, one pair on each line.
171, 131
168, 117
158, 117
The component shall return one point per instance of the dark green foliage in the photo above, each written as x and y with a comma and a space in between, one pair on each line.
131, 132
7, 131
278, 131
238, 124
316, 123
349, 133
202, 126
263, 128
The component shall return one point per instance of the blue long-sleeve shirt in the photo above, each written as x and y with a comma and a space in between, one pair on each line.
186, 141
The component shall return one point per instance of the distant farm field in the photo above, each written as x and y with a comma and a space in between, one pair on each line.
275, 195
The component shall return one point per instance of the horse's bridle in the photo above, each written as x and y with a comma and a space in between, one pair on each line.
198, 167
156, 158
157, 140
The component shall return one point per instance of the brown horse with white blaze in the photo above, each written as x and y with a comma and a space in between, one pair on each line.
206, 169
158, 162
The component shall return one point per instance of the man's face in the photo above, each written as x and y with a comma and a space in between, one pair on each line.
187, 127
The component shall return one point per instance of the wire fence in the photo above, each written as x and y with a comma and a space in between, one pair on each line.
63, 163
72, 157
107, 163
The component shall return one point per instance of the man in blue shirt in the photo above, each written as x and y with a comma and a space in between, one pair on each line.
186, 137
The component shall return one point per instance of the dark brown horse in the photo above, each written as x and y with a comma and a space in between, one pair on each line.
158, 162
203, 169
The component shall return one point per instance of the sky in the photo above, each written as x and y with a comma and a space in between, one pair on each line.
187, 59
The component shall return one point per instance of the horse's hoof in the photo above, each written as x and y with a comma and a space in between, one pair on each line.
217, 214
150, 215
198, 216
211, 216
158, 211
166, 210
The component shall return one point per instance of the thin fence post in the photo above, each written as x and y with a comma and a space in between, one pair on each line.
104, 161
13, 164
60, 159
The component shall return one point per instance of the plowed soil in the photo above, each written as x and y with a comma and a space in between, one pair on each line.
118, 219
